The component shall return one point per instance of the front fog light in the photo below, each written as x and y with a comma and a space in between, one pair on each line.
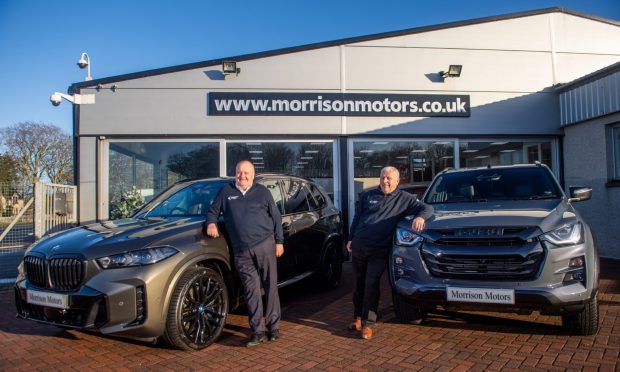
576, 270
576, 262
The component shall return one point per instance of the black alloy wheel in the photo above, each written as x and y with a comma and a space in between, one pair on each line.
197, 311
330, 271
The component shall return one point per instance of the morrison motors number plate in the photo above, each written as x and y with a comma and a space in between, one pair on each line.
48, 299
481, 295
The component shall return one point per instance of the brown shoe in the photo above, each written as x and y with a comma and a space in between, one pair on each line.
367, 333
356, 325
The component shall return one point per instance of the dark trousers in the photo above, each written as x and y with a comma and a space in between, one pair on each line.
258, 267
369, 263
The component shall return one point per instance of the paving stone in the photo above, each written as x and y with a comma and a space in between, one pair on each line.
314, 338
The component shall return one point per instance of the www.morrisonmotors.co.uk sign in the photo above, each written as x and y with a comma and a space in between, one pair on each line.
336, 104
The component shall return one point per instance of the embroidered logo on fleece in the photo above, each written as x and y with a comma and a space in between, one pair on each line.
233, 197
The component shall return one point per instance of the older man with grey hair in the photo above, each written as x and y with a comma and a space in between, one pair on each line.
370, 237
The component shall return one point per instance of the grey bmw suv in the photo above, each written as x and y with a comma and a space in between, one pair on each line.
503, 238
157, 274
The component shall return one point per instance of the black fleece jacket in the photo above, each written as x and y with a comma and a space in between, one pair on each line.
250, 219
377, 214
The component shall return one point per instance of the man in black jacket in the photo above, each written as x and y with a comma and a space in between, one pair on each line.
254, 226
370, 239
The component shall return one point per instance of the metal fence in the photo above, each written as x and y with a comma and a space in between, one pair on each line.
27, 214
16, 216
55, 208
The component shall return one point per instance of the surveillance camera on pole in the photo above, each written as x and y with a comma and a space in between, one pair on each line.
84, 62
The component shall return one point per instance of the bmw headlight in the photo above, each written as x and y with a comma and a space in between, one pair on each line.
407, 237
141, 257
565, 235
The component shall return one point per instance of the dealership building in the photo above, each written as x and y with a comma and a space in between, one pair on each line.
496, 90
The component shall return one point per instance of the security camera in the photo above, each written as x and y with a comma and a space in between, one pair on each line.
76, 99
82, 63
56, 98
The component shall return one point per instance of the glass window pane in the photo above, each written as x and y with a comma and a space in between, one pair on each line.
313, 160
480, 154
417, 161
317, 198
193, 200
151, 167
273, 186
296, 201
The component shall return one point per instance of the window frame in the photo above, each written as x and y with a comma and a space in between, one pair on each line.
615, 153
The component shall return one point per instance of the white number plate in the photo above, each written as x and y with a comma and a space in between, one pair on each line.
49, 299
481, 295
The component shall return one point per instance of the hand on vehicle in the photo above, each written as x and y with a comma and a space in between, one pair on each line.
212, 230
279, 250
349, 248
418, 224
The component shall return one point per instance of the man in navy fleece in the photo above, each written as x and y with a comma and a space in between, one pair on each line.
370, 239
254, 226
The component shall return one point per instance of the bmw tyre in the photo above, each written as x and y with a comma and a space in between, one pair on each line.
406, 312
197, 311
329, 274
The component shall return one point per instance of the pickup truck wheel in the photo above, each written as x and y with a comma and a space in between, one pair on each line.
585, 322
329, 273
197, 311
406, 312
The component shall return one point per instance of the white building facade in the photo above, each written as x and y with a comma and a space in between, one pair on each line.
339, 111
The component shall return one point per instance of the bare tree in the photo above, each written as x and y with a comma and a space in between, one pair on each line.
39, 149
8, 169
59, 162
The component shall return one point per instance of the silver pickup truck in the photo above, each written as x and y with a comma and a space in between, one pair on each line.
503, 238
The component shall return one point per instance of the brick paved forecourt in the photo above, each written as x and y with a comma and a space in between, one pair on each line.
314, 337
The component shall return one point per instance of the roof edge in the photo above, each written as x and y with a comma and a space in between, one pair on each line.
596, 75
357, 39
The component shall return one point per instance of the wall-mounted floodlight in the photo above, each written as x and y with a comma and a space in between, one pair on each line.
230, 67
453, 71
76, 99
84, 62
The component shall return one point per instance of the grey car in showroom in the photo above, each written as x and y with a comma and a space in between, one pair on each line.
157, 274
503, 238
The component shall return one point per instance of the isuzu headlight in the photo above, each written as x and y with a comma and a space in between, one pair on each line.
407, 237
141, 257
565, 235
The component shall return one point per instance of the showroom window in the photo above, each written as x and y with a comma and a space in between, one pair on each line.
313, 160
417, 161
151, 167
480, 154
615, 132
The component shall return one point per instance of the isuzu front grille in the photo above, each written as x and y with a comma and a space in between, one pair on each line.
487, 267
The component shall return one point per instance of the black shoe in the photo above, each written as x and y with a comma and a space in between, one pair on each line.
274, 335
256, 339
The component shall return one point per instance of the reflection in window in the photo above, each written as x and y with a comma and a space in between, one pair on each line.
193, 200
296, 200
306, 159
274, 188
153, 166
480, 154
417, 161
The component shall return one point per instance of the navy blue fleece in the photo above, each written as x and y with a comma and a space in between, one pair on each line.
250, 219
377, 214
